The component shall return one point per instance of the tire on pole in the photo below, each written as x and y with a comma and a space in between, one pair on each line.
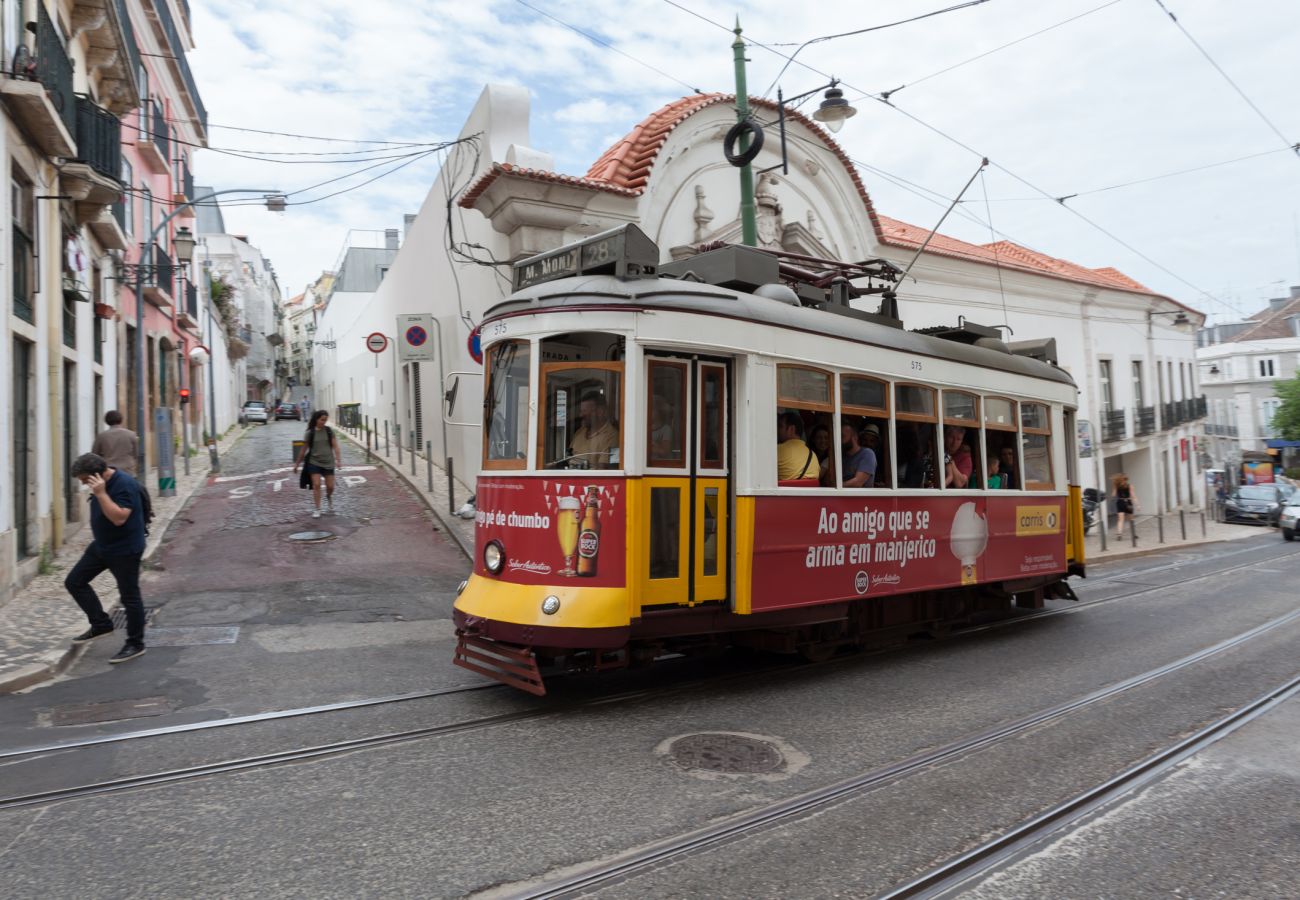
745, 126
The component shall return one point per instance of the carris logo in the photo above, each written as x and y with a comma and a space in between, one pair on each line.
861, 582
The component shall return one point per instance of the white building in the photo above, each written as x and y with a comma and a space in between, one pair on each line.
1130, 350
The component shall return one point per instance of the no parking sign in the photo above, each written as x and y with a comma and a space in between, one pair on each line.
415, 337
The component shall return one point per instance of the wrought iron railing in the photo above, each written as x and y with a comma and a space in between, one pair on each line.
132, 47
1146, 420
99, 138
1168, 415
161, 272
1114, 425
178, 54
54, 69
1200, 407
69, 322
184, 178
160, 131
119, 213
191, 301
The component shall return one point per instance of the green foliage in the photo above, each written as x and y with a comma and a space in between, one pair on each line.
1293, 473
46, 565
1286, 422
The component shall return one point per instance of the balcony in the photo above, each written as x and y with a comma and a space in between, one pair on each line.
92, 177
1114, 425
187, 313
1199, 407
39, 90
154, 140
184, 188
1146, 420
165, 27
1169, 416
109, 226
111, 50
159, 280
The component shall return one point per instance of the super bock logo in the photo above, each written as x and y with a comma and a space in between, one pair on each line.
861, 582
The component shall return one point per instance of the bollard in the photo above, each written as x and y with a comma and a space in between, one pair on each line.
1203, 523
1133, 531
1182, 523
412, 449
428, 459
385, 437
397, 439
451, 485
1160, 527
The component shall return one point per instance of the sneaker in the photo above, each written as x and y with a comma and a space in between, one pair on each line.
315, 513
329, 501
91, 633
129, 650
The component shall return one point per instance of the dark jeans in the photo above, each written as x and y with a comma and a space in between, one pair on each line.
126, 571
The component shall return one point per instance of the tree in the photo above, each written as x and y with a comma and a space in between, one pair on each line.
1286, 421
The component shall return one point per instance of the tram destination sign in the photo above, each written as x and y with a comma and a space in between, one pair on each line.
624, 252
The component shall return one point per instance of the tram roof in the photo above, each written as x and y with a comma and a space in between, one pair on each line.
609, 292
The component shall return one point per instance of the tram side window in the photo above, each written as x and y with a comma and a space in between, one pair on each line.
505, 440
1001, 444
917, 423
581, 414
864, 426
805, 416
961, 441
1036, 436
666, 415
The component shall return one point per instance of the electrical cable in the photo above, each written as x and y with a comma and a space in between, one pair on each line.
1292, 145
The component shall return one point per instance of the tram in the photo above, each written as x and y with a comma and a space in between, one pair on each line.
663, 464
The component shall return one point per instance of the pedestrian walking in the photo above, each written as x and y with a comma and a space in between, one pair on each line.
1125, 502
319, 457
304, 406
117, 444
117, 522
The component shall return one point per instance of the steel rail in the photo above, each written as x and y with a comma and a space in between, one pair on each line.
1020, 839
273, 715
801, 805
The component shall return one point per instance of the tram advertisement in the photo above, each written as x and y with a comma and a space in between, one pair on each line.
554, 529
810, 550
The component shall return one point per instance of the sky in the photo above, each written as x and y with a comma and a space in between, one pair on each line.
1091, 96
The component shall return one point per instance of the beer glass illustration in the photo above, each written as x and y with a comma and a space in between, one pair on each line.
569, 510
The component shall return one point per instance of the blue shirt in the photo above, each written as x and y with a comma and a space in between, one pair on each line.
126, 539
862, 461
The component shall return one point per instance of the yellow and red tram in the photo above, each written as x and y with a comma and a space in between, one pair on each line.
637, 422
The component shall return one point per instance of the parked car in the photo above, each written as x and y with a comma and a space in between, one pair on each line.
253, 411
1260, 503
1288, 517
288, 411
1091, 501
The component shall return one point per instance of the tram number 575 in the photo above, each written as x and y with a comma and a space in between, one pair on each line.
917, 366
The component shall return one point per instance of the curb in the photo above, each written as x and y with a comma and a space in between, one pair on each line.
58, 662
449, 528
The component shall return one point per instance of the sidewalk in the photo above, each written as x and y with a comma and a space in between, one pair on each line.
1147, 529
42, 618
429, 483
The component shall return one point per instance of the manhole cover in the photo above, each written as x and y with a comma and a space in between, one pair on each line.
119, 617
92, 713
730, 754
311, 536
191, 635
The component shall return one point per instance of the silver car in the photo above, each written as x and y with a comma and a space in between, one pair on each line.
1290, 513
254, 411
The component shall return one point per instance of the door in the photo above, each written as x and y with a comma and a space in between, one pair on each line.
686, 495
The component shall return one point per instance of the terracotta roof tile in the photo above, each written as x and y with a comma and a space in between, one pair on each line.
1272, 324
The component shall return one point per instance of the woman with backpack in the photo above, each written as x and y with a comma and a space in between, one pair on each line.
320, 456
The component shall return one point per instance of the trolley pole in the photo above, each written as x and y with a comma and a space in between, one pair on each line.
748, 211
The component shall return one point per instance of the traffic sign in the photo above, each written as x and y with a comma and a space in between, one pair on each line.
376, 343
476, 346
414, 343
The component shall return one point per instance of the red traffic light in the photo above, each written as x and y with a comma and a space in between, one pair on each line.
185, 395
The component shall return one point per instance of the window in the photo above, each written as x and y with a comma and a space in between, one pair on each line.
805, 452
1266, 366
1001, 446
505, 439
961, 441
146, 210
864, 419
23, 206
666, 414
1036, 443
1107, 395
916, 436
1138, 393
713, 423
581, 415
1267, 410
128, 197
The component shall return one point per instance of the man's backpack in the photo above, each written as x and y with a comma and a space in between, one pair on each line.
146, 507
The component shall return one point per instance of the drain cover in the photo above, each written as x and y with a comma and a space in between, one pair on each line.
112, 711
311, 536
119, 617
191, 635
731, 754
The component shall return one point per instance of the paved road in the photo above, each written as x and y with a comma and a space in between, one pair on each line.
494, 808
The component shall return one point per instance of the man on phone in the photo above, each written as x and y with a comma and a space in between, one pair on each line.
117, 523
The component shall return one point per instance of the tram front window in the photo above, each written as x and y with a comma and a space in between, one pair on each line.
505, 441
581, 424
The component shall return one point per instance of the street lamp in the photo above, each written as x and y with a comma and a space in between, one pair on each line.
184, 246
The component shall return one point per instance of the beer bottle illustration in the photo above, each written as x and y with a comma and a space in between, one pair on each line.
589, 535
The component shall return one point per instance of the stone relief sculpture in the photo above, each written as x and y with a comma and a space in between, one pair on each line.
703, 216
814, 227
771, 223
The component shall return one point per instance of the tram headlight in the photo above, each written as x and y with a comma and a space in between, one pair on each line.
494, 557
551, 605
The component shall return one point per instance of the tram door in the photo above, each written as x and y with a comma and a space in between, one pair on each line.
685, 492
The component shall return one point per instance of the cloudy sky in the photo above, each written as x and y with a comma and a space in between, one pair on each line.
1111, 92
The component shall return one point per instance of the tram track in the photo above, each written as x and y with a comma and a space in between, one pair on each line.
579, 880
433, 731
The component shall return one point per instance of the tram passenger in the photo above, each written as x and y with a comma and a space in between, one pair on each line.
663, 430
596, 440
994, 478
795, 461
1007, 466
859, 462
819, 441
957, 463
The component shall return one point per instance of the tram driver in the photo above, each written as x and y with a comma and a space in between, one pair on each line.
957, 463
596, 440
